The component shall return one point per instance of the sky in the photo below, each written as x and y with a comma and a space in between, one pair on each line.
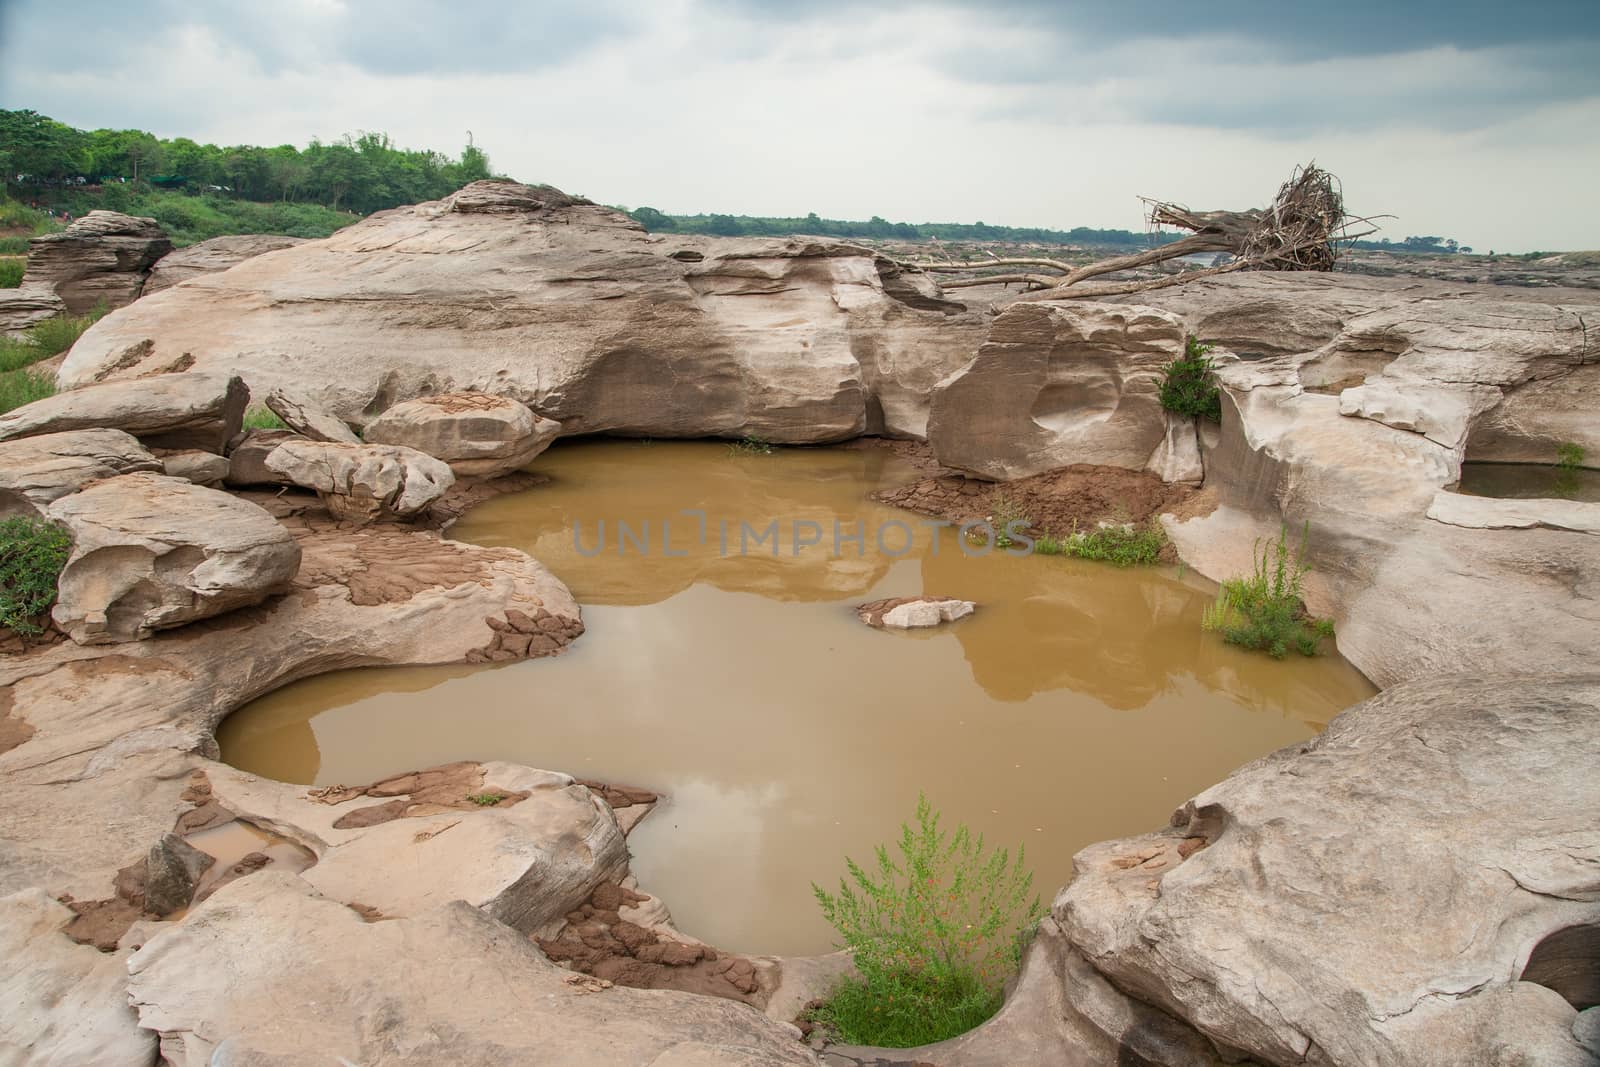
1473, 120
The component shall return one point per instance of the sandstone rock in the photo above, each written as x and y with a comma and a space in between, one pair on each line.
150, 552
470, 992
65, 1003
571, 309
193, 465
1374, 836
36, 470
1055, 384
1177, 457
211, 256
478, 435
247, 459
172, 871
169, 411
363, 482
27, 306
1487, 513
101, 258
309, 420
914, 613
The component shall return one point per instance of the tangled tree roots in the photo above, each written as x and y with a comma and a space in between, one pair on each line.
1301, 230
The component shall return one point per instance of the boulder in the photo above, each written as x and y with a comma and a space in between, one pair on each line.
172, 870
478, 435
914, 613
102, 258
307, 419
450, 986
1487, 513
211, 256
1058, 383
200, 411
1375, 895
27, 306
1177, 457
363, 483
65, 1003
247, 459
571, 309
151, 552
37, 470
193, 465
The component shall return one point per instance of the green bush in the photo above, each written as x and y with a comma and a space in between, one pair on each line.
263, 419
11, 273
1124, 544
935, 935
752, 446
32, 553
1569, 455
21, 387
1188, 385
1264, 611
13, 246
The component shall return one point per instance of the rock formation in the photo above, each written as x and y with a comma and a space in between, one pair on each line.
169, 411
101, 258
150, 552
569, 308
308, 420
27, 306
37, 470
363, 482
475, 433
914, 612
211, 256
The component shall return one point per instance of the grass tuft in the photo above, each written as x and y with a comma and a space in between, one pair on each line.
11, 273
259, 418
486, 800
751, 446
21, 387
1264, 611
1124, 544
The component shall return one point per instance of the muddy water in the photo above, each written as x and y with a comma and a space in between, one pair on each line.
1529, 481
1081, 702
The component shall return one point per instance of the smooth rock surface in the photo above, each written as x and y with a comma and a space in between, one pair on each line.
914, 613
571, 309
101, 258
37, 470
477, 434
211, 256
1488, 513
247, 458
151, 552
1058, 383
1177, 457
308, 420
363, 483
471, 992
193, 465
1370, 896
168, 411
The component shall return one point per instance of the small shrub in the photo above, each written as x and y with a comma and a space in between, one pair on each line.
11, 273
1188, 386
21, 387
1264, 611
1124, 544
32, 553
752, 446
263, 419
935, 934
1569, 455
55, 335
486, 800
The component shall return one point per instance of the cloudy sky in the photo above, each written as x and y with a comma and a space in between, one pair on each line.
1468, 119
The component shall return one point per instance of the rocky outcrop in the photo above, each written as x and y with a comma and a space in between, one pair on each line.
194, 465
151, 552
308, 420
1375, 895
102, 258
37, 470
27, 306
247, 458
201, 411
914, 612
1057, 384
478, 435
571, 309
471, 992
363, 483
211, 256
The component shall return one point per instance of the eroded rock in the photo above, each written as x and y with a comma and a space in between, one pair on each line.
194, 465
37, 470
914, 612
151, 552
201, 411
477, 434
308, 420
211, 256
363, 483
102, 258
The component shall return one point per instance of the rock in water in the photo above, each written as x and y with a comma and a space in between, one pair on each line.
363, 483
151, 552
914, 613
477, 434
1372, 895
172, 871
202, 411
37, 470
101, 258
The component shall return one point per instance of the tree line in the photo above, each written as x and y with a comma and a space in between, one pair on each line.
879, 228
364, 173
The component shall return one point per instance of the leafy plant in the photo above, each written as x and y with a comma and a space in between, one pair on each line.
21, 387
1569, 455
486, 800
1006, 515
1264, 611
1122, 544
935, 933
752, 446
1188, 384
259, 418
11, 273
32, 553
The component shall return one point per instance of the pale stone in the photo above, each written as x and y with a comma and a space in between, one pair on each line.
305, 418
37, 470
193, 465
478, 435
101, 258
1177, 457
211, 256
1488, 513
923, 613
363, 482
169, 410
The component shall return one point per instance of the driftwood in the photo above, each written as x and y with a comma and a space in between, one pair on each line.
1302, 229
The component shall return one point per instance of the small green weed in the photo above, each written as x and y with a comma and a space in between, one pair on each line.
32, 553
44, 339
1188, 385
259, 418
1264, 611
1007, 516
1569, 455
21, 387
1124, 544
751, 446
935, 934
486, 800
